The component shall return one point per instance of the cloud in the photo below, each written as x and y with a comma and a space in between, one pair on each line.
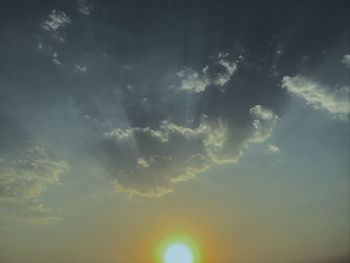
54, 23
230, 68
25, 178
55, 58
217, 75
319, 96
34, 213
150, 162
193, 81
82, 68
264, 123
273, 148
177, 154
84, 7
56, 20
346, 60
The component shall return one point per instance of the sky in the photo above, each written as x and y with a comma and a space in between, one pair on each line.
124, 122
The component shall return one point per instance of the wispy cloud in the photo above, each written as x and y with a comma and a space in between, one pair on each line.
55, 58
33, 212
264, 123
320, 97
82, 68
346, 60
197, 81
84, 7
24, 178
54, 24
192, 81
273, 148
55, 21
229, 66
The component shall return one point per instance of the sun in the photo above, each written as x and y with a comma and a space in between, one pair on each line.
178, 252
178, 249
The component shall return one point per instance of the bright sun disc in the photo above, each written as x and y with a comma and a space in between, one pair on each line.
178, 249
178, 253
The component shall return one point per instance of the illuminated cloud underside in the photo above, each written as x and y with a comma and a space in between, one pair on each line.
176, 153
